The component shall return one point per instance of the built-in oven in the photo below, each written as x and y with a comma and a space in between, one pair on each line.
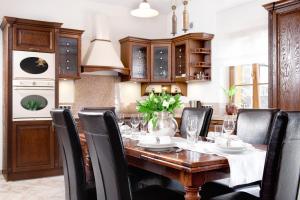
33, 99
33, 65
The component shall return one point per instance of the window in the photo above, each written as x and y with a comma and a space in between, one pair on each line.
251, 82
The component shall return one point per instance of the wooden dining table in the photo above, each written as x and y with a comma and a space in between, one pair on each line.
189, 168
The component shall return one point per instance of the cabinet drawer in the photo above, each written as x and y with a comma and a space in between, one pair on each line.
31, 38
33, 146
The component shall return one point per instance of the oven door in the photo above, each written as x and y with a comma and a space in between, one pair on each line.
33, 102
33, 65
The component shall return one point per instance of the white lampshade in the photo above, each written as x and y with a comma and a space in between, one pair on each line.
144, 11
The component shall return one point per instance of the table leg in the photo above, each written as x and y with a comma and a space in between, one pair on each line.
191, 193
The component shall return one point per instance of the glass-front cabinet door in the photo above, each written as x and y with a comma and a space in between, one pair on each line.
161, 63
140, 62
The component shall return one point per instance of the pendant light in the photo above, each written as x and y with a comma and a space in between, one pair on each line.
144, 10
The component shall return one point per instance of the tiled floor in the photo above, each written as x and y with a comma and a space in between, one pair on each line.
34, 189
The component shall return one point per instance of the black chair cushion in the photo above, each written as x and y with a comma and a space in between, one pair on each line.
236, 196
204, 117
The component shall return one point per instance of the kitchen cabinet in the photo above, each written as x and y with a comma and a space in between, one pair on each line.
33, 150
30, 35
161, 61
192, 57
69, 53
135, 55
30, 149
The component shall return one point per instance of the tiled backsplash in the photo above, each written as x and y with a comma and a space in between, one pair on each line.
94, 91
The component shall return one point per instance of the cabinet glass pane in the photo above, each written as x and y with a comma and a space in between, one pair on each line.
180, 68
139, 62
160, 63
68, 55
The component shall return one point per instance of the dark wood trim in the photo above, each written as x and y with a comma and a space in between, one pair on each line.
89, 68
14, 20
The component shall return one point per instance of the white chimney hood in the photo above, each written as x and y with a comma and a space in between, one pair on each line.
101, 57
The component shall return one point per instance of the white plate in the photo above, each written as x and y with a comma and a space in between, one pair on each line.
156, 146
234, 149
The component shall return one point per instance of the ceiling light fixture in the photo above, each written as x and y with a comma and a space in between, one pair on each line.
144, 10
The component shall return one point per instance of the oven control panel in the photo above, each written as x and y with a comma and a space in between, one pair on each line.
33, 83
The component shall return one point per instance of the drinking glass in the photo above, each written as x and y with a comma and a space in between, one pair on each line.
120, 119
143, 125
228, 126
192, 129
135, 121
218, 131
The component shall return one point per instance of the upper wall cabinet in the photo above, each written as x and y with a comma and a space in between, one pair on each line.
161, 61
192, 57
69, 53
135, 55
181, 59
30, 35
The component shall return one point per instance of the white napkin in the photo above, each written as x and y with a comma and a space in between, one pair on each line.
245, 167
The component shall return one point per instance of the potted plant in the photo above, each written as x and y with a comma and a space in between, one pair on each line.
230, 107
158, 110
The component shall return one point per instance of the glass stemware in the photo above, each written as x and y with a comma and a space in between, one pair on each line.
120, 119
228, 126
135, 121
192, 129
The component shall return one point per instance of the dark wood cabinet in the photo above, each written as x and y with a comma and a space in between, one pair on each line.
161, 61
30, 149
69, 53
135, 55
192, 57
31, 35
284, 54
33, 146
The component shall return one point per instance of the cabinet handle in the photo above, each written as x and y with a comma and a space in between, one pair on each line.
34, 49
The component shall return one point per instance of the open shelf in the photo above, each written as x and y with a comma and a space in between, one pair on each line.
201, 51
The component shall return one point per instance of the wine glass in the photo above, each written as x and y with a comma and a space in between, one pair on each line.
120, 119
144, 125
135, 121
192, 129
228, 126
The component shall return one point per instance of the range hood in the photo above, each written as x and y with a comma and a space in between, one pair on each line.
101, 57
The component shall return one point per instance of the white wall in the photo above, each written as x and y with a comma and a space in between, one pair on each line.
240, 38
77, 14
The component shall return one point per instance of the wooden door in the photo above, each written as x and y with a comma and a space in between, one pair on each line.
161, 63
284, 58
32, 38
33, 146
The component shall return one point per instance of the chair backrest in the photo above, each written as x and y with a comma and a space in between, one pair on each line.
204, 117
71, 153
107, 155
254, 125
98, 109
289, 161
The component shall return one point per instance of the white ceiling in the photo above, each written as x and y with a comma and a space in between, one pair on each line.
164, 6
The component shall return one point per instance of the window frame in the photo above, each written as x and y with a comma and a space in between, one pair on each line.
255, 82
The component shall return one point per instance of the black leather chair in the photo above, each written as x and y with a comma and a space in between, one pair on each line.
76, 187
109, 161
254, 125
98, 109
204, 115
282, 166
